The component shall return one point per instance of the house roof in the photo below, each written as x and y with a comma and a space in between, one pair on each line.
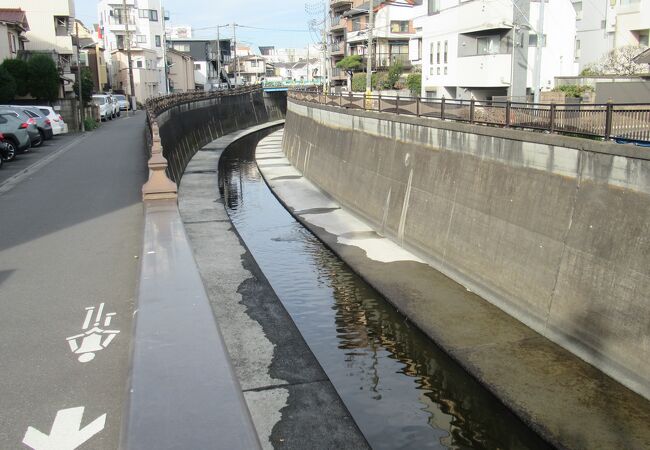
14, 16
643, 57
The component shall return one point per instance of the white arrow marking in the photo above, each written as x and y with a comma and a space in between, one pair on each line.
66, 433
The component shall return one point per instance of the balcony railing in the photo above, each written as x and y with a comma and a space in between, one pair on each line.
621, 122
386, 59
337, 47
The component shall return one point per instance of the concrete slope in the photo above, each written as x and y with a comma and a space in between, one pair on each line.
70, 238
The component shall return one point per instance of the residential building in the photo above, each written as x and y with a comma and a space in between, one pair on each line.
180, 71
91, 55
298, 71
146, 77
486, 49
146, 21
205, 53
603, 25
393, 29
50, 29
251, 69
13, 26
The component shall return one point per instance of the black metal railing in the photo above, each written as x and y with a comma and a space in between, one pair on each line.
627, 121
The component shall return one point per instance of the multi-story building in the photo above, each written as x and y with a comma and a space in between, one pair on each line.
472, 49
50, 29
205, 53
13, 25
146, 22
603, 25
393, 29
91, 55
146, 79
251, 69
180, 71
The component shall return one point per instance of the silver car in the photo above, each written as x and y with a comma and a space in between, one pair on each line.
26, 122
43, 124
16, 137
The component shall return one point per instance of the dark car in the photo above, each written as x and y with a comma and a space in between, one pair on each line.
28, 123
43, 124
16, 138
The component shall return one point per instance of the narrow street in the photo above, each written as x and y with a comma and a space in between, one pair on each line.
70, 239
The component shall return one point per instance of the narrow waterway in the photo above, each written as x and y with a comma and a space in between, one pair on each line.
403, 392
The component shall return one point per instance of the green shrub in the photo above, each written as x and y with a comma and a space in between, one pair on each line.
19, 70
359, 82
414, 83
395, 71
90, 123
7, 86
572, 90
43, 78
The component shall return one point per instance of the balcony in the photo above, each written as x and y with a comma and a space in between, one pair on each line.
338, 74
340, 4
337, 48
337, 25
484, 70
384, 60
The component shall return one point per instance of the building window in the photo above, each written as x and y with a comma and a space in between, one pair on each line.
431, 55
158, 42
578, 7
181, 47
445, 70
577, 52
197, 66
143, 13
419, 49
141, 38
399, 26
120, 41
434, 7
12, 42
356, 23
61, 25
153, 15
253, 63
438, 70
532, 40
438, 53
446, 52
138, 64
488, 45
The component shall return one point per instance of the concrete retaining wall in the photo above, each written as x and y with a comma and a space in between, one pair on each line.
553, 230
187, 127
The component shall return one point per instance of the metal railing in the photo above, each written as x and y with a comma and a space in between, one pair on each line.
627, 121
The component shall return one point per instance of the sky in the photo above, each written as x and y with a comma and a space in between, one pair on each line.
285, 22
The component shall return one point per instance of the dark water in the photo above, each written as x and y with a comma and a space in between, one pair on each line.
402, 391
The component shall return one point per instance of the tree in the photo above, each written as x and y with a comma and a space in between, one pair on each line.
394, 73
414, 83
620, 61
19, 70
43, 78
7, 86
87, 85
350, 64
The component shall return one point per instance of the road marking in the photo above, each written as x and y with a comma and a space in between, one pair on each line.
10, 182
90, 341
66, 432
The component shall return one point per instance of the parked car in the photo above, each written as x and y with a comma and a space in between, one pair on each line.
16, 138
58, 125
115, 104
105, 106
43, 124
122, 101
26, 122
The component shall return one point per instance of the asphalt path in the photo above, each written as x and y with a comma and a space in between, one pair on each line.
71, 224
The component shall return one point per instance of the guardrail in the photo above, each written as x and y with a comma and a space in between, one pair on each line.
627, 121
159, 186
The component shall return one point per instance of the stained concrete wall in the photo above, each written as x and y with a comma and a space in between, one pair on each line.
187, 127
553, 230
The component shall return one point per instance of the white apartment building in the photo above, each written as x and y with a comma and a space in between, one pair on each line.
146, 22
50, 29
484, 49
603, 25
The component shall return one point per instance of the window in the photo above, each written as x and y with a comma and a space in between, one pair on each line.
158, 42
138, 64
153, 15
141, 39
181, 47
445, 70
419, 49
438, 70
431, 55
642, 37
356, 23
143, 13
577, 52
399, 26
12, 42
438, 53
446, 52
578, 7
532, 40
120, 41
488, 45
253, 63
197, 66
61, 25
434, 7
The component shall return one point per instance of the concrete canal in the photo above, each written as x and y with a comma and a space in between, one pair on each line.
402, 391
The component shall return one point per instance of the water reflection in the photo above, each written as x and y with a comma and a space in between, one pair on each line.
400, 388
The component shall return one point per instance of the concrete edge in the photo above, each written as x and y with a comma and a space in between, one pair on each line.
460, 357
557, 140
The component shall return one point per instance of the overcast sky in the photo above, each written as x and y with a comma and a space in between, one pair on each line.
277, 18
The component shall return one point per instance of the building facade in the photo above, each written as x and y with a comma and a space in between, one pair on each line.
486, 49
604, 25
146, 22
13, 26
146, 76
91, 55
205, 53
180, 71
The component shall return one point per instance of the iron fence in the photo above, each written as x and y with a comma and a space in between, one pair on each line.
627, 121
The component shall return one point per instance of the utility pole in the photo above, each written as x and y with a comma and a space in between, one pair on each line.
234, 36
307, 63
81, 100
538, 54
134, 101
218, 59
326, 62
371, 25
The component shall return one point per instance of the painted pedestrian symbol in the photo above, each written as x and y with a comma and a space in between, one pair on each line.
66, 432
93, 339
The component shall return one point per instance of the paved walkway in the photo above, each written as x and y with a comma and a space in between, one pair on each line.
70, 238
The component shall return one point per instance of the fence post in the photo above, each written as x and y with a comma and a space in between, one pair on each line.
349, 99
417, 106
508, 105
379, 103
442, 109
471, 110
397, 104
551, 125
608, 119
340, 99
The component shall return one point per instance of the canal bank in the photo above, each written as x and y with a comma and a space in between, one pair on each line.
567, 401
